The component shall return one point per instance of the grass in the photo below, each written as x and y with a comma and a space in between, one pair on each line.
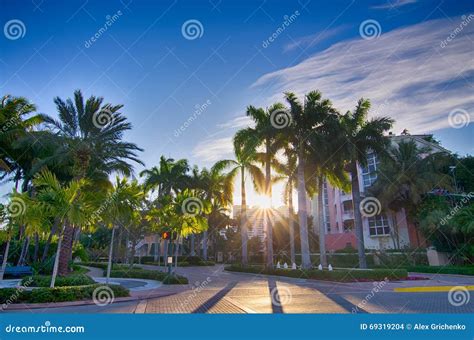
459, 270
58, 294
339, 275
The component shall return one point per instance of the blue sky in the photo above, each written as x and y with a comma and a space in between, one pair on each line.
144, 61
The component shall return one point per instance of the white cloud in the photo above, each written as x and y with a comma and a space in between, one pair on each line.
405, 73
237, 123
213, 149
314, 39
391, 4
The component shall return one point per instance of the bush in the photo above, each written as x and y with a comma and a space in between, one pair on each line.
103, 265
61, 281
58, 294
149, 275
341, 275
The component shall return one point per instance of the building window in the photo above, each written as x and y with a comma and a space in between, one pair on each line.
369, 173
378, 226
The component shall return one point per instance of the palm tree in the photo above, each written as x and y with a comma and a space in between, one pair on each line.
406, 173
287, 171
216, 188
264, 134
65, 202
359, 137
169, 177
306, 119
119, 208
244, 163
89, 145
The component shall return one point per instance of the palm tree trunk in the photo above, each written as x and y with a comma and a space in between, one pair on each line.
322, 227
358, 226
111, 251
266, 219
66, 250
5, 259
291, 224
243, 219
204, 245
57, 257
24, 251
302, 213
156, 254
35, 254
193, 251
50, 237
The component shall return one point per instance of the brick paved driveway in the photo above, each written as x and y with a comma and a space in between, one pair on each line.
212, 290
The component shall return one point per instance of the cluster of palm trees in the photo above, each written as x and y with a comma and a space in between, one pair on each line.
61, 169
305, 143
64, 165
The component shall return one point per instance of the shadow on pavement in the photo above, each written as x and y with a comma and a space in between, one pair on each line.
214, 299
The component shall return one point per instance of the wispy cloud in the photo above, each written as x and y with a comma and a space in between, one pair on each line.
314, 39
237, 123
392, 4
213, 149
405, 72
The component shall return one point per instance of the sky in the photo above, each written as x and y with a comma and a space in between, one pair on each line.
185, 71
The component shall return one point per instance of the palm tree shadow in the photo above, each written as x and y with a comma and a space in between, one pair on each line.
275, 297
214, 299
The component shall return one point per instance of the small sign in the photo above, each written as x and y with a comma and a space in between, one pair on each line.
170, 259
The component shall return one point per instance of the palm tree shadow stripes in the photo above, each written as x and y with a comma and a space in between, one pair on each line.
206, 306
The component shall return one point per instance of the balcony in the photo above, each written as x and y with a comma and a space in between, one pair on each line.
346, 197
348, 215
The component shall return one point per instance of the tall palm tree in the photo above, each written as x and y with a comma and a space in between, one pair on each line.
244, 163
264, 134
89, 144
307, 119
359, 137
287, 171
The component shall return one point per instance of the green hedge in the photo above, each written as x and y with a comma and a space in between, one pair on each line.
186, 264
149, 275
57, 294
103, 265
459, 270
345, 275
61, 281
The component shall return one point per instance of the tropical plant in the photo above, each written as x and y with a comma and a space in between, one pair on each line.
89, 144
359, 137
305, 120
244, 164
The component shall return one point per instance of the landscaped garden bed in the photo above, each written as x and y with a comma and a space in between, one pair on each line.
57, 294
61, 281
149, 275
125, 271
340, 275
458, 270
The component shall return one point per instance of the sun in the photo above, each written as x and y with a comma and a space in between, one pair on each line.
262, 201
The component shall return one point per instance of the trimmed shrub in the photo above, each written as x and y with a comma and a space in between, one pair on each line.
61, 281
341, 275
149, 275
103, 265
457, 270
57, 294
